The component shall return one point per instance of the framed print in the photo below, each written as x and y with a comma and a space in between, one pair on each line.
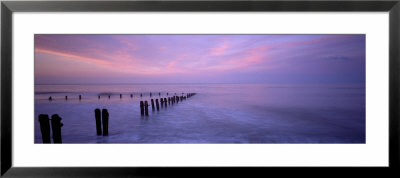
157, 88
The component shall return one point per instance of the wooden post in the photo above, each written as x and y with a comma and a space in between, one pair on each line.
66, 97
158, 106
109, 96
159, 94
150, 94
162, 102
45, 127
80, 97
105, 116
120, 95
146, 108
98, 97
152, 104
97, 115
167, 93
141, 108
56, 128
141, 95
165, 102
169, 100
131, 95
50, 98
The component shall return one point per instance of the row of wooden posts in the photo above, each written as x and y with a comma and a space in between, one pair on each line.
101, 118
144, 106
109, 96
55, 128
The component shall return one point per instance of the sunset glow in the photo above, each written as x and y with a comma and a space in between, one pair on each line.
74, 59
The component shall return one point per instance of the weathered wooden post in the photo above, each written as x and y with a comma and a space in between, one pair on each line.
45, 127
50, 98
56, 128
152, 104
141, 108
80, 97
97, 115
158, 106
146, 108
162, 102
165, 102
105, 116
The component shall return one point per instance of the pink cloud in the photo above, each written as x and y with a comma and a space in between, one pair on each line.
74, 57
219, 50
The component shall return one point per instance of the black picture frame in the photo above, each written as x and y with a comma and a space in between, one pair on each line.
8, 7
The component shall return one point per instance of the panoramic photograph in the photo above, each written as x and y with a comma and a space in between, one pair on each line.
199, 89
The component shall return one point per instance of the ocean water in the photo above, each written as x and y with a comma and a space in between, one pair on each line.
218, 113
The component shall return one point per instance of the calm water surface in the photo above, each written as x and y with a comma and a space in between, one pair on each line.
219, 113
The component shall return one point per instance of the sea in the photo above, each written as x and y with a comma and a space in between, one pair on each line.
217, 114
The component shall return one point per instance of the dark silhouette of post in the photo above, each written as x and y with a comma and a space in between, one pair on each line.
50, 98
131, 95
159, 94
152, 104
98, 97
150, 94
66, 97
105, 122
97, 115
167, 93
120, 95
169, 100
141, 95
158, 106
146, 108
45, 127
109, 96
141, 108
162, 102
165, 102
56, 128
80, 97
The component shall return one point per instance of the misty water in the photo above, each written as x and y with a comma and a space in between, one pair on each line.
218, 113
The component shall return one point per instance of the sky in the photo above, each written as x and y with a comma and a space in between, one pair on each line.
96, 59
